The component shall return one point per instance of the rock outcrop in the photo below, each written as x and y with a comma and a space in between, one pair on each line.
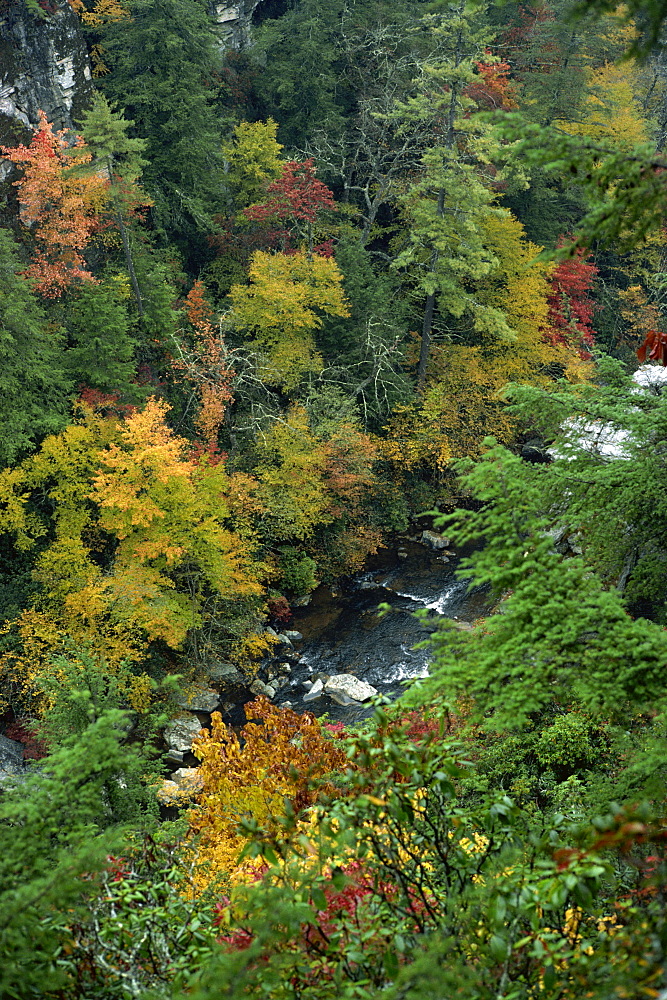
234, 19
43, 67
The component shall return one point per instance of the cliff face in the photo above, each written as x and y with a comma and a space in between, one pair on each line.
234, 18
43, 66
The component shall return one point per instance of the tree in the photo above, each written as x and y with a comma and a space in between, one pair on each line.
58, 828
102, 352
444, 208
34, 387
204, 364
560, 637
60, 205
253, 160
281, 306
119, 156
161, 62
141, 547
295, 196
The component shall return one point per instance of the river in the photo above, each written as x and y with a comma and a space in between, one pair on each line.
343, 633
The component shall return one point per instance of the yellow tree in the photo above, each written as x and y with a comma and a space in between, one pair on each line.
131, 539
279, 753
281, 308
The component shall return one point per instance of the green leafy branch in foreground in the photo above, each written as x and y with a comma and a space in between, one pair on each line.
558, 636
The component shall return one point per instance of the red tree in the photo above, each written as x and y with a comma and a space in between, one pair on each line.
570, 306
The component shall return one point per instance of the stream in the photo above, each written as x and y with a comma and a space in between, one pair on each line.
342, 632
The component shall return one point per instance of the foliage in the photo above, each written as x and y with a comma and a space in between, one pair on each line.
60, 204
281, 307
33, 383
558, 636
253, 781
253, 159
58, 827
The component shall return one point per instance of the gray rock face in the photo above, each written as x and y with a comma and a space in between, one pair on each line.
234, 18
181, 731
11, 759
198, 698
348, 687
43, 67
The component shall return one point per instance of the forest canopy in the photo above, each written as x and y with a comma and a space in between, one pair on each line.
279, 291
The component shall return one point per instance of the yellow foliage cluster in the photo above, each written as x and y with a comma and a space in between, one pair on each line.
611, 109
247, 652
99, 13
126, 487
253, 159
277, 754
280, 308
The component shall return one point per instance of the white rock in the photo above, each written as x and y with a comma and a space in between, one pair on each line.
260, 688
293, 635
434, 540
349, 686
181, 731
316, 691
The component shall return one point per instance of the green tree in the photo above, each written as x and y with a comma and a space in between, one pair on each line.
101, 354
106, 136
162, 60
34, 385
57, 829
445, 207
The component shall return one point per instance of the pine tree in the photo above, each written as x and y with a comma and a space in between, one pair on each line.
34, 386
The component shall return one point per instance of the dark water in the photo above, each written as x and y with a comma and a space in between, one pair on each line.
343, 633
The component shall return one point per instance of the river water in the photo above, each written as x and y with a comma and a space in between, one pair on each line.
343, 633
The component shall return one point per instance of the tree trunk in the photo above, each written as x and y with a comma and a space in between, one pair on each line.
429, 308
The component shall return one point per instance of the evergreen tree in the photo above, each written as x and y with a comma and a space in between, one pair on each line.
101, 355
33, 384
162, 59
445, 208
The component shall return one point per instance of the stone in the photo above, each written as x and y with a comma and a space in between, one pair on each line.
224, 674
174, 756
402, 554
197, 698
185, 784
434, 540
293, 635
304, 601
349, 686
181, 731
286, 641
260, 688
285, 669
316, 691
11, 759
44, 67
234, 19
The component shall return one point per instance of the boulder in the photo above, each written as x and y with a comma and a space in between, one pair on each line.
197, 698
181, 731
316, 691
224, 674
434, 540
260, 688
293, 635
185, 784
349, 687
